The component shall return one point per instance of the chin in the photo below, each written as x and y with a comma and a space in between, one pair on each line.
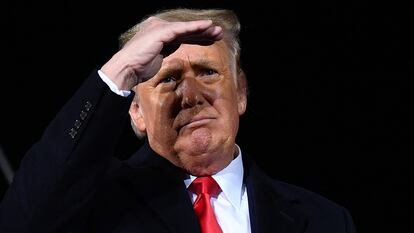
202, 165
201, 171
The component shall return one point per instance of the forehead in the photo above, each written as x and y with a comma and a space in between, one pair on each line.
216, 53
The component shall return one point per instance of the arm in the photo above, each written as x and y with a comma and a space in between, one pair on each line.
349, 223
59, 174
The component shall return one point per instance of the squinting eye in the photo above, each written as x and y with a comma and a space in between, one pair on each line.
209, 72
169, 79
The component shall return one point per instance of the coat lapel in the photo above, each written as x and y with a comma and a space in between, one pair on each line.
160, 185
271, 207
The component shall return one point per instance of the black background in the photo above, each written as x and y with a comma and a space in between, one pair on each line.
330, 106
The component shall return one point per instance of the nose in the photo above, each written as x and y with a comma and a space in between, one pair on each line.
191, 93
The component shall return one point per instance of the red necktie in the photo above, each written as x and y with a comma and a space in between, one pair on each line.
205, 187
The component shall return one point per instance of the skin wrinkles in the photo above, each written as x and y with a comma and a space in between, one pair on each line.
190, 108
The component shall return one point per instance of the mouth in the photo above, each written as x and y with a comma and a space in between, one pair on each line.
197, 121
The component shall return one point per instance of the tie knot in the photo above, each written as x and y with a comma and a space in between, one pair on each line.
206, 185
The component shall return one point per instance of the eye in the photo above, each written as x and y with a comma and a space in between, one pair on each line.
168, 79
209, 72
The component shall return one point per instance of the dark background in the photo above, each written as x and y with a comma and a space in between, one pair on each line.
330, 106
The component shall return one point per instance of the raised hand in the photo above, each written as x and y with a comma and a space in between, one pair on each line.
141, 57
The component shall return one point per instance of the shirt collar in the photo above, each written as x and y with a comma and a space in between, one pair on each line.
230, 180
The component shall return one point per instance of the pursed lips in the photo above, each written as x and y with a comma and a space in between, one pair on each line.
197, 121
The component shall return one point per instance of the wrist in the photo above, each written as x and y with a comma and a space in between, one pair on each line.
120, 73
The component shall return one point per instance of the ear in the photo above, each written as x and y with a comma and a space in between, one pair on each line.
241, 93
137, 118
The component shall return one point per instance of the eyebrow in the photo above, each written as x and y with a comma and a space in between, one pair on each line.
204, 63
174, 64
177, 64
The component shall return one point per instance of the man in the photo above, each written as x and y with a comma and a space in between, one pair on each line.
178, 75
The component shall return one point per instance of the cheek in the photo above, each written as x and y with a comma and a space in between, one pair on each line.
226, 96
159, 112
230, 116
226, 104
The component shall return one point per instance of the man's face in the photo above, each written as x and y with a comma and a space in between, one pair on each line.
190, 109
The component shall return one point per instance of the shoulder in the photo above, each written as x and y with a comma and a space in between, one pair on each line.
257, 179
307, 198
321, 212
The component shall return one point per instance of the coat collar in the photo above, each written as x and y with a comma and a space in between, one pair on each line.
160, 184
272, 207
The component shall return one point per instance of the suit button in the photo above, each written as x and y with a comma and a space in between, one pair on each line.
78, 124
83, 115
73, 133
88, 105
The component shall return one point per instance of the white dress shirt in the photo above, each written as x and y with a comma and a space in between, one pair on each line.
231, 205
112, 85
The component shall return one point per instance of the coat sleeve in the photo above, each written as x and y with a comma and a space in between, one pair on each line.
349, 223
60, 174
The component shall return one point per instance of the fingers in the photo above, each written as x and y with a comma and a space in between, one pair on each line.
217, 33
204, 37
208, 36
173, 34
191, 26
193, 32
